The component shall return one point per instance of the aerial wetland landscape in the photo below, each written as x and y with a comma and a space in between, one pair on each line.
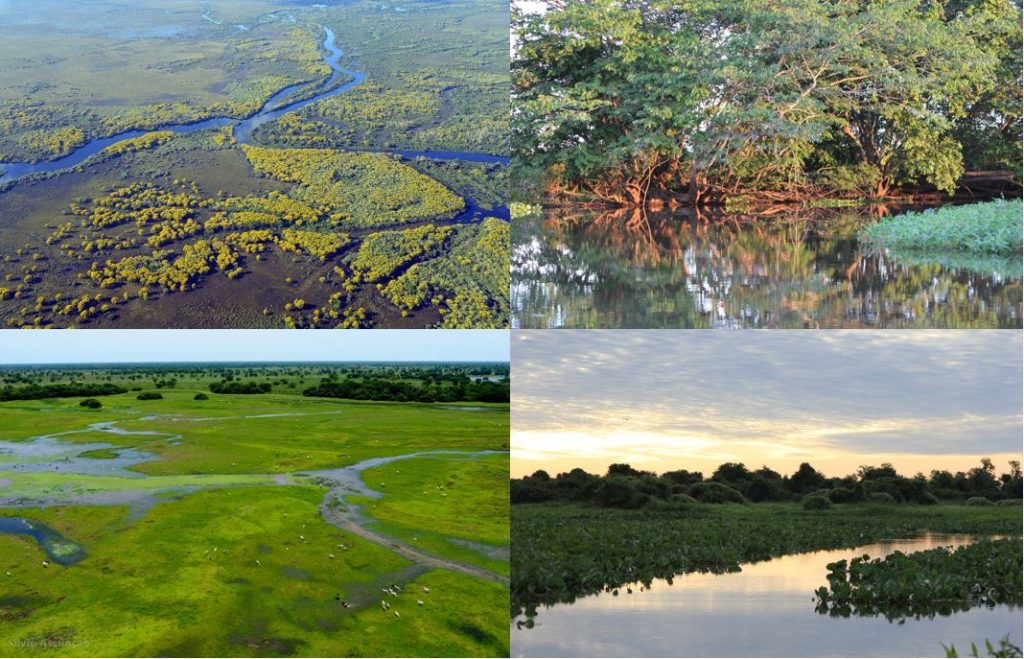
176, 163
254, 509
792, 164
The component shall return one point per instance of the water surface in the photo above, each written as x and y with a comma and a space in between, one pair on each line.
58, 549
765, 610
799, 269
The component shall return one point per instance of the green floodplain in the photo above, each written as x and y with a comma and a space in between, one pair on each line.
380, 203
271, 523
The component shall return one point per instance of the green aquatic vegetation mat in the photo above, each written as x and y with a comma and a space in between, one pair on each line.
925, 583
561, 552
992, 227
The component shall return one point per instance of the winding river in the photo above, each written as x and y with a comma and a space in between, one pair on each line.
275, 107
47, 454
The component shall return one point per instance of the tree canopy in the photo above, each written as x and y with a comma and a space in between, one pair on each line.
625, 487
716, 96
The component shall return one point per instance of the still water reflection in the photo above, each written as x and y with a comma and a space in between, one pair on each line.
766, 610
797, 269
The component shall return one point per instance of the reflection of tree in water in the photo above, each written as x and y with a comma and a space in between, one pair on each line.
627, 268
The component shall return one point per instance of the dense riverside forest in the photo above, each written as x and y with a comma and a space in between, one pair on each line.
708, 100
622, 486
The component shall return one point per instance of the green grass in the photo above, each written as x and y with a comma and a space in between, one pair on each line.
560, 552
992, 227
432, 500
181, 578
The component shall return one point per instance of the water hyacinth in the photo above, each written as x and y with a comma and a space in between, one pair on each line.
993, 227
925, 583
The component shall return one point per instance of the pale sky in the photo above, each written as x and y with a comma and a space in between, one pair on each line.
133, 346
663, 400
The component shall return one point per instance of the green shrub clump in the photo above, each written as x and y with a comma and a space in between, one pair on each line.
978, 501
816, 502
881, 497
710, 492
150, 395
91, 403
201, 396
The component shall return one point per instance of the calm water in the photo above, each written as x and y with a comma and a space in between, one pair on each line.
805, 269
766, 610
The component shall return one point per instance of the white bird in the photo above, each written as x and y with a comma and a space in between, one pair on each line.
396, 614
257, 561
45, 564
8, 574
331, 555
420, 602
426, 590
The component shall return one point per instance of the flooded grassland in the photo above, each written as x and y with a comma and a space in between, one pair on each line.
267, 524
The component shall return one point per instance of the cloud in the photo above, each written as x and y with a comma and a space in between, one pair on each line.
763, 393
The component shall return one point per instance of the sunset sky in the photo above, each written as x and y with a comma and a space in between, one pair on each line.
663, 400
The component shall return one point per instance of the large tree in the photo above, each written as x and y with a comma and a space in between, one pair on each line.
855, 95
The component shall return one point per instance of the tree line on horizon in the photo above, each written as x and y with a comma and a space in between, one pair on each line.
622, 486
461, 390
784, 98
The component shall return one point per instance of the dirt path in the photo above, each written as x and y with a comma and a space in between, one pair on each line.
348, 522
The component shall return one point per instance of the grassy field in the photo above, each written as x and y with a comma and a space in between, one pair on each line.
216, 545
561, 552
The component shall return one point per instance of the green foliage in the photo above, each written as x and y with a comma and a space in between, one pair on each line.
471, 279
141, 143
482, 391
64, 390
91, 403
363, 189
200, 396
238, 387
150, 395
935, 581
815, 502
978, 501
1004, 649
989, 228
380, 254
710, 492
705, 95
